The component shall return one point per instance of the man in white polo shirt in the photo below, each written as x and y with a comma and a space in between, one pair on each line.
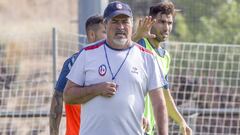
111, 78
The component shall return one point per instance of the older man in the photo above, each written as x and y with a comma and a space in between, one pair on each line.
111, 78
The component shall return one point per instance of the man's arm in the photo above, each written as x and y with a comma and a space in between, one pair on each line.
160, 110
76, 94
56, 112
175, 115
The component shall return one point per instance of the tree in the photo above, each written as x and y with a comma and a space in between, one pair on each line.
224, 27
212, 21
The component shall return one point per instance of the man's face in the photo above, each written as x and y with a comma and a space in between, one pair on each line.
100, 33
119, 30
163, 27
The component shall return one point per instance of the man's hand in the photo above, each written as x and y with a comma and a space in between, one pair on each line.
107, 89
185, 129
144, 29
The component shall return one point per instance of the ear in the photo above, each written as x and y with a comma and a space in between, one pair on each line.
91, 36
105, 24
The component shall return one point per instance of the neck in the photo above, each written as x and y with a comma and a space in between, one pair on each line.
154, 42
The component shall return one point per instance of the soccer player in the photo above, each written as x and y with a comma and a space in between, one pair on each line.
110, 79
160, 22
95, 31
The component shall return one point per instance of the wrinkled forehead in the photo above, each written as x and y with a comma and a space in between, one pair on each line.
161, 16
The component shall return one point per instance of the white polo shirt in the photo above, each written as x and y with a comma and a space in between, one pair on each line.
122, 113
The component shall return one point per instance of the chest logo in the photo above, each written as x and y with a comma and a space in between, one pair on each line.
102, 70
134, 70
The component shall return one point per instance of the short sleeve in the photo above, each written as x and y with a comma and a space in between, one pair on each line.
62, 80
77, 74
156, 77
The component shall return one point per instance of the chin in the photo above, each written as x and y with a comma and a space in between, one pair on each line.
165, 38
120, 42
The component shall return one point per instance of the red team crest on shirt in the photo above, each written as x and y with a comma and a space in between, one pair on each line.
102, 70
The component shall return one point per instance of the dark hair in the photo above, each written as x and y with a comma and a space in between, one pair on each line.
93, 20
165, 7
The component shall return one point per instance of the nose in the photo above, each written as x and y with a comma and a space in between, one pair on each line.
120, 25
166, 27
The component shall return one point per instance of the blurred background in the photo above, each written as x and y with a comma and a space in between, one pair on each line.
204, 74
209, 21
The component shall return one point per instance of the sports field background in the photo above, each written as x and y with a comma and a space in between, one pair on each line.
204, 75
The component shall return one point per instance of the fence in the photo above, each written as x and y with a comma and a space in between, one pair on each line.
206, 86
